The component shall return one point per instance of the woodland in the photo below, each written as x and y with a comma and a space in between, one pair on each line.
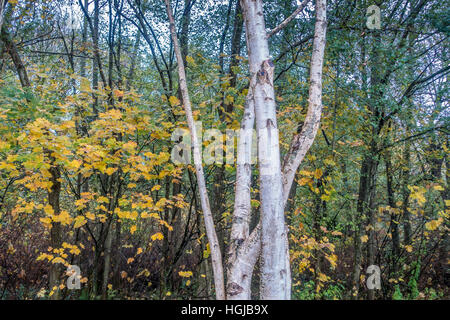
224, 149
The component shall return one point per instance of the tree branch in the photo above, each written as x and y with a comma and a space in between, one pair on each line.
288, 19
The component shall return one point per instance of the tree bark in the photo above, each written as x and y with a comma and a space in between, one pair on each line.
55, 232
243, 250
302, 142
11, 48
216, 255
275, 270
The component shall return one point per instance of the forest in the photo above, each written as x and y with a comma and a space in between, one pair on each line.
224, 150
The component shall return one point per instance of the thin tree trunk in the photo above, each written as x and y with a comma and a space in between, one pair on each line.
216, 255
55, 232
11, 48
95, 64
243, 250
394, 217
2, 10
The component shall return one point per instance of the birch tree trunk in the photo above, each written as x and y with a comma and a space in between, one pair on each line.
270, 235
216, 255
275, 187
243, 250
275, 270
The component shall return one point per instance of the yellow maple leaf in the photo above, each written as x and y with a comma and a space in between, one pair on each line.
58, 260
157, 236
74, 164
174, 101
79, 221
185, 274
434, 224
318, 173
190, 60
110, 171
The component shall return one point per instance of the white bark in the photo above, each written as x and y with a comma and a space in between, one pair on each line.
243, 250
302, 142
269, 239
216, 256
241, 266
275, 269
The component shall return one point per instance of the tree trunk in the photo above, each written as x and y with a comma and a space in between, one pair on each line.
275, 269
243, 250
11, 48
55, 232
216, 255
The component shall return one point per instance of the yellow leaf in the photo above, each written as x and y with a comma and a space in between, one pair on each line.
157, 187
85, 85
79, 221
174, 101
102, 199
118, 93
110, 171
318, 173
58, 260
48, 209
185, 274
46, 220
190, 60
434, 224
364, 238
322, 277
157, 236
74, 164
304, 181
206, 252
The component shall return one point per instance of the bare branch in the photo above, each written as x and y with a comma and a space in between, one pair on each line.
288, 19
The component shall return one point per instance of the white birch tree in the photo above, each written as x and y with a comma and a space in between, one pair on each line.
269, 239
